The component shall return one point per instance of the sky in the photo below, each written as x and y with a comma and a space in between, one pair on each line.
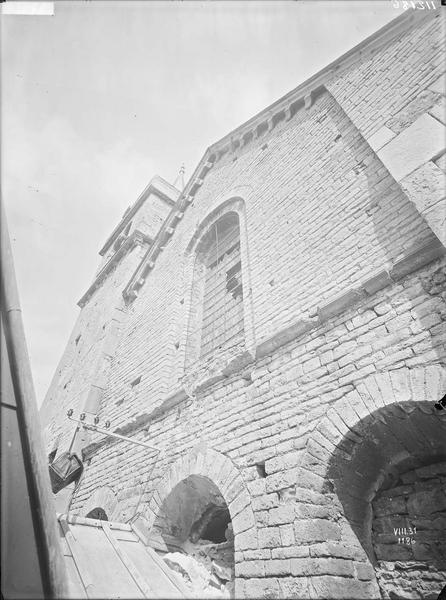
105, 94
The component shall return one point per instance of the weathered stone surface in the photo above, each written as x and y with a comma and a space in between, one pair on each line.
419, 143
269, 537
254, 568
343, 301
315, 530
439, 111
294, 587
381, 138
341, 587
421, 104
247, 540
261, 588
427, 189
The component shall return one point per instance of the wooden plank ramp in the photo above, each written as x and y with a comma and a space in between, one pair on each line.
109, 560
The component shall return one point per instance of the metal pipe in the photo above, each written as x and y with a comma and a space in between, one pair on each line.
115, 435
43, 513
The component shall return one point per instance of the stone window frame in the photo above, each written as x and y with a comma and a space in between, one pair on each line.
234, 204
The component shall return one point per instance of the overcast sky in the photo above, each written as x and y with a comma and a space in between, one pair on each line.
103, 95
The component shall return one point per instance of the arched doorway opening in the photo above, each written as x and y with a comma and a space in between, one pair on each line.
97, 513
389, 473
194, 533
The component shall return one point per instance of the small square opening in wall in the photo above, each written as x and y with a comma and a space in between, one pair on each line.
261, 471
136, 381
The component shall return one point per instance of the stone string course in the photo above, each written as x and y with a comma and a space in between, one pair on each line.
345, 310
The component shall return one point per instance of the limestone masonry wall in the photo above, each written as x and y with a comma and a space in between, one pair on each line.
319, 430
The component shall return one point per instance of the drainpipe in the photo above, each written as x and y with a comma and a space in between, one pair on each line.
43, 513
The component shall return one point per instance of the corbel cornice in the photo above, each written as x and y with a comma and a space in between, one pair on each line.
300, 98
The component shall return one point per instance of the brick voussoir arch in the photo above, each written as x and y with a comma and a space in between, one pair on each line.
419, 384
219, 469
331, 451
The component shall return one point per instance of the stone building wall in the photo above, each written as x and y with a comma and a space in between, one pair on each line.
328, 403
82, 374
409, 520
401, 111
272, 419
83, 355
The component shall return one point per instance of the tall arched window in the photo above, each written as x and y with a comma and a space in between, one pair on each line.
217, 320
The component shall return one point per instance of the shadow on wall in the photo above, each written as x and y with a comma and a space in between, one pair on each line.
389, 472
414, 327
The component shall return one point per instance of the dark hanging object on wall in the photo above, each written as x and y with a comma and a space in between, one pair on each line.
64, 470
441, 404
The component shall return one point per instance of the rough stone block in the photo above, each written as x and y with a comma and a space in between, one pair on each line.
317, 530
313, 511
425, 186
287, 535
294, 587
252, 568
439, 111
414, 146
311, 364
281, 480
300, 567
260, 554
290, 552
265, 502
334, 566
247, 540
282, 462
334, 549
243, 521
239, 503
439, 85
421, 103
261, 588
364, 571
342, 587
400, 385
381, 138
281, 515
278, 568
269, 537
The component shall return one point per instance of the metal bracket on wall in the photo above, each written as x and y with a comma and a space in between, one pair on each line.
94, 427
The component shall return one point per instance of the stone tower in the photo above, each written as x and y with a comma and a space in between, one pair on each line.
83, 372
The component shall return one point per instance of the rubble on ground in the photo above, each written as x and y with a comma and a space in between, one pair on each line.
206, 568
